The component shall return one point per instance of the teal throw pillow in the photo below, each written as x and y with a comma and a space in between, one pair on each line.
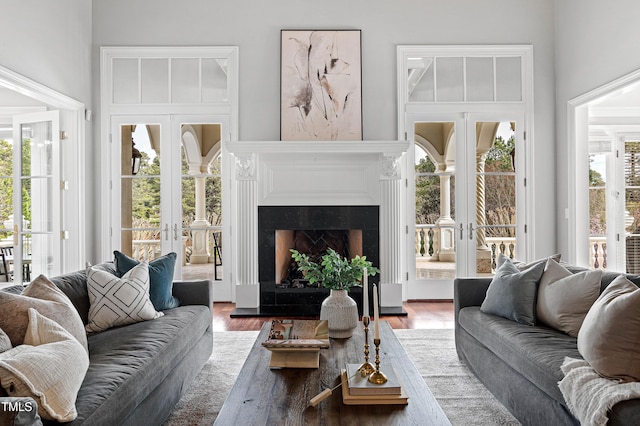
512, 293
160, 275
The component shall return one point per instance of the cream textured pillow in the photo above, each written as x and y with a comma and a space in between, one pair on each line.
119, 301
46, 298
610, 335
565, 298
49, 368
5, 342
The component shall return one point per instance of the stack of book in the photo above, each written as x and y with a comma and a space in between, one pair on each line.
297, 343
357, 390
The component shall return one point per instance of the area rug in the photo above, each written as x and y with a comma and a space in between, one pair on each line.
462, 397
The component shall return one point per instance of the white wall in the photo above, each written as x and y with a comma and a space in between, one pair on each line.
49, 42
596, 42
254, 26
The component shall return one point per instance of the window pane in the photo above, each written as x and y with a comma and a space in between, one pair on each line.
420, 79
125, 81
185, 80
214, 80
449, 80
508, 79
155, 80
480, 79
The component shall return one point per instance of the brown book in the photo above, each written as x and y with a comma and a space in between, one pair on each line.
359, 385
289, 334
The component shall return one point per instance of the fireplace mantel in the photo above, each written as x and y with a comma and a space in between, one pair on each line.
323, 173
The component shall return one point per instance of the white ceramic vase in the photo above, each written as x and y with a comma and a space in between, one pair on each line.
341, 311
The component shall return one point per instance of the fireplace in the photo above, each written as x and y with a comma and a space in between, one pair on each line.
311, 186
350, 230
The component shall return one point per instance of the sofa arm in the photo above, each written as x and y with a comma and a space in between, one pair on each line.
469, 292
194, 292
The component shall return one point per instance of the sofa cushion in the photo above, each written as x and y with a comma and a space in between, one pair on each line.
160, 275
49, 368
46, 298
119, 301
609, 336
128, 363
74, 285
565, 298
524, 265
534, 352
512, 293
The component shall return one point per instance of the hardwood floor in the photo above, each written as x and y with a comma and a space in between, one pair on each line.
421, 314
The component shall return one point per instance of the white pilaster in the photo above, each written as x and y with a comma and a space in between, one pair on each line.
391, 235
246, 271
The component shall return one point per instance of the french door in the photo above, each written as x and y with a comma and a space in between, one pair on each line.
166, 190
468, 189
34, 232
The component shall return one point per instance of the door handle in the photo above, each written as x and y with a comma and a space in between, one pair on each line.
470, 231
166, 231
175, 231
461, 231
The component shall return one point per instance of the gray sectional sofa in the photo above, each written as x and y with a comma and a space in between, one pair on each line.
138, 372
520, 364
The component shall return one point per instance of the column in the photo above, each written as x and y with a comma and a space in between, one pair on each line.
247, 285
483, 252
391, 233
200, 235
445, 249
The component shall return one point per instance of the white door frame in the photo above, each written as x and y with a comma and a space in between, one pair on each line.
72, 158
578, 166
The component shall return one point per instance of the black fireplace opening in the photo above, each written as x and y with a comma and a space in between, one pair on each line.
349, 230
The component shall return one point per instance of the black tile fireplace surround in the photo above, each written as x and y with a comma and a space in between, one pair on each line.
307, 301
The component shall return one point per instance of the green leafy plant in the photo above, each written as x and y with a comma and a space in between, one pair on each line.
334, 271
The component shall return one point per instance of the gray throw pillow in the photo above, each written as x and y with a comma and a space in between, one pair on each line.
512, 293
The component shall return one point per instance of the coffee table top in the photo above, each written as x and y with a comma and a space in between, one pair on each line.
261, 396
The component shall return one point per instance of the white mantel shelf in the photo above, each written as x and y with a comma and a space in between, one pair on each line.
320, 147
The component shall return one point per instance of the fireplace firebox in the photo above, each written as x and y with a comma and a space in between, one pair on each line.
350, 230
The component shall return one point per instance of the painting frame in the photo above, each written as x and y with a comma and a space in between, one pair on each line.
320, 85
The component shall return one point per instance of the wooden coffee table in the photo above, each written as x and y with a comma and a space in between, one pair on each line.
261, 396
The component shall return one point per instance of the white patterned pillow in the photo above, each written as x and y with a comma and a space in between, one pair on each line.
119, 301
49, 368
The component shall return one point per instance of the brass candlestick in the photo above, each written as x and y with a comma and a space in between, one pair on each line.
366, 368
377, 376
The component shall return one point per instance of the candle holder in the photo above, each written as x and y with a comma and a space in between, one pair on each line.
366, 368
377, 377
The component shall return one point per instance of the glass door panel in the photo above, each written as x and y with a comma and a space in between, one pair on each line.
140, 192
435, 167
201, 213
37, 197
495, 190
6, 195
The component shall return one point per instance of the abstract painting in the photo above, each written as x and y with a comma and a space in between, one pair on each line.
321, 87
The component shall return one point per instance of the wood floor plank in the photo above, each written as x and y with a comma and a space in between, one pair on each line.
420, 315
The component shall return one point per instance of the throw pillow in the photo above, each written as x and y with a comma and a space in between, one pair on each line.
5, 342
119, 301
512, 293
49, 368
524, 265
608, 339
565, 298
160, 274
46, 298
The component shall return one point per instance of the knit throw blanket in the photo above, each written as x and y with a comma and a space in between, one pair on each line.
589, 396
